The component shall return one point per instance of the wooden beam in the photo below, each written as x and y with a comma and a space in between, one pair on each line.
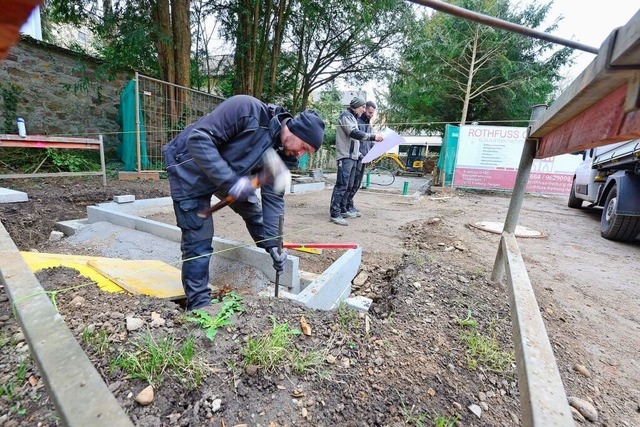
40, 141
603, 123
600, 106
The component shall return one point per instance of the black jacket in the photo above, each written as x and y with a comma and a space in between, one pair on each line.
211, 154
365, 126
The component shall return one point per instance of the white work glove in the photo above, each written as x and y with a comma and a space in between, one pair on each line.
242, 189
279, 260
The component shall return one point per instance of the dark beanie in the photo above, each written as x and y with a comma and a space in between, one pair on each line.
309, 127
356, 102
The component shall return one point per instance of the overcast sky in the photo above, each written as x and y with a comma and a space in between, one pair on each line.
590, 23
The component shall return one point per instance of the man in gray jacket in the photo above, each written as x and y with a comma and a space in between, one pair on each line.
348, 137
217, 155
364, 123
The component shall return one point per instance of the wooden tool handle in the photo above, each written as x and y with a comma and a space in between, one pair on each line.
221, 204
255, 183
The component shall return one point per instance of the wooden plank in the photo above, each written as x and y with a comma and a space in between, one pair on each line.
45, 144
147, 277
49, 174
599, 88
600, 124
40, 141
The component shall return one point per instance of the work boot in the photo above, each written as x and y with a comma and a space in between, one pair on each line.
355, 212
338, 220
348, 214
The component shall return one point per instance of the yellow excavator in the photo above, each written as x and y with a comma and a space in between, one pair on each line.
414, 163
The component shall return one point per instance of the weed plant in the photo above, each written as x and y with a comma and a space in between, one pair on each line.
152, 359
347, 317
483, 349
414, 417
4, 339
231, 304
13, 386
98, 339
276, 349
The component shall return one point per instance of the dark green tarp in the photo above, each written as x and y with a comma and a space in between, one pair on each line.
127, 151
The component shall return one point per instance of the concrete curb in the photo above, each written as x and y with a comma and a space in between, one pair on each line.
323, 292
76, 389
12, 196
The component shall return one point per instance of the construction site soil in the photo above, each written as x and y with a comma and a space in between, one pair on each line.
408, 361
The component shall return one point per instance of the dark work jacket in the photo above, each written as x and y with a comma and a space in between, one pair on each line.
210, 155
365, 126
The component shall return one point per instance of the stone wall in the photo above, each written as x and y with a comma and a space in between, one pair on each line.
59, 93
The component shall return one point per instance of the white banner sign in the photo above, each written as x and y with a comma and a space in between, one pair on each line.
488, 157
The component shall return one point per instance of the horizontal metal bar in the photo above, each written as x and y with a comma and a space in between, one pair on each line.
140, 76
543, 400
320, 245
502, 24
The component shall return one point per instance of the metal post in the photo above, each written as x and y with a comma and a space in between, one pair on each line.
280, 241
137, 113
517, 197
102, 164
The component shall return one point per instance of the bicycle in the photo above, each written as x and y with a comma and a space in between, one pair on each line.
378, 175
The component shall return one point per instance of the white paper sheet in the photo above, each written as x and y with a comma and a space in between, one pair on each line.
391, 139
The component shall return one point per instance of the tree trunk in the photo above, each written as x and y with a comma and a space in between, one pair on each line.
182, 48
262, 46
284, 7
472, 64
163, 38
245, 49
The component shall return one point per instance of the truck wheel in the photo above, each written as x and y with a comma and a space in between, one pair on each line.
574, 202
617, 227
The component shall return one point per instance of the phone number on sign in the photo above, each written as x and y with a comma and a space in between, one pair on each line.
551, 177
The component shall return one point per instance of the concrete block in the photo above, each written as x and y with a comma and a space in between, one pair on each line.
359, 303
128, 198
71, 227
56, 236
12, 196
334, 285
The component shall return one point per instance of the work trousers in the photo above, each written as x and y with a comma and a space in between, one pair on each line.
196, 242
357, 182
344, 182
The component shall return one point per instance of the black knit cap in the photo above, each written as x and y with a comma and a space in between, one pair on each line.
356, 102
309, 127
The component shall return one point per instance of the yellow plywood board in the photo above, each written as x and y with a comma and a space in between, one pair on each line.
146, 277
38, 261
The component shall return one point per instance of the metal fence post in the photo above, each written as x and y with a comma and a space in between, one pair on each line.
517, 196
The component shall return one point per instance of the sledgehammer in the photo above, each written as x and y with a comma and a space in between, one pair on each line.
274, 171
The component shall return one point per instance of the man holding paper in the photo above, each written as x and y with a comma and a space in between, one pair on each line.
348, 138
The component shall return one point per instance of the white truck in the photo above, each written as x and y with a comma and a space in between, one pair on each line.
609, 176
